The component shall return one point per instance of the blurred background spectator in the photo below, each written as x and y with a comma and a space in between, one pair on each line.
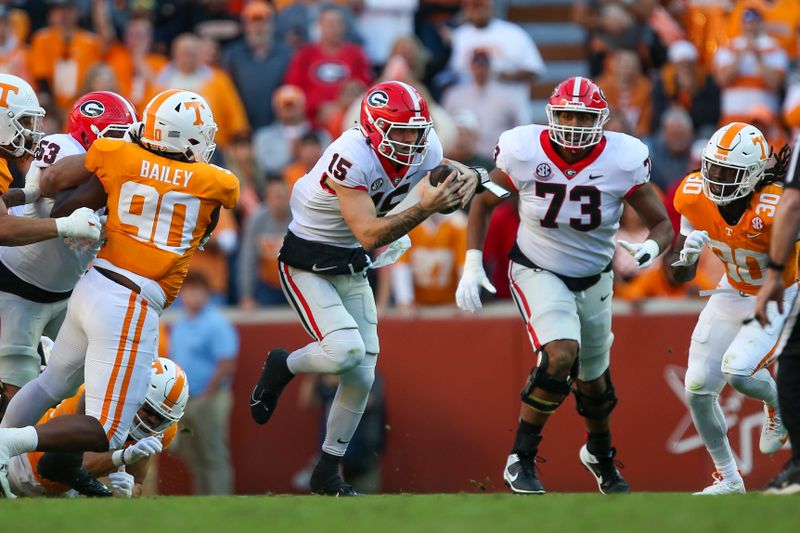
205, 344
670, 151
13, 55
628, 90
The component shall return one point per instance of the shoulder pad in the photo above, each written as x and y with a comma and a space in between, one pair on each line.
518, 142
689, 192
630, 152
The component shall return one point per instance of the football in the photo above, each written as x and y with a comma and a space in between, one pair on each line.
438, 175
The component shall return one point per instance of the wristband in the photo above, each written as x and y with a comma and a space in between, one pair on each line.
118, 458
772, 265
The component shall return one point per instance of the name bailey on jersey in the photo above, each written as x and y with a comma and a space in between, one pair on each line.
157, 172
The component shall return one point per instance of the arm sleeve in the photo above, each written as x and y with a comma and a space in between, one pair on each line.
342, 167
501, 159
686, 226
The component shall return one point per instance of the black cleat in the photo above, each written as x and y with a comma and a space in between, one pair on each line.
604, 470
520, 475
61, 468
787, 481
325, 484
274, 378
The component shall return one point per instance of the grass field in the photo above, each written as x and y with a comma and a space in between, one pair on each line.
589, 513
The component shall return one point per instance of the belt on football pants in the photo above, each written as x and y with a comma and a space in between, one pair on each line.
118, 278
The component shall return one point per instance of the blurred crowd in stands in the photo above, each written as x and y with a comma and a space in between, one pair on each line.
285, 77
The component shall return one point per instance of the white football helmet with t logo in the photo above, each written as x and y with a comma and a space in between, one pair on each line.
734, 161
20, 116
166, 399
179, 122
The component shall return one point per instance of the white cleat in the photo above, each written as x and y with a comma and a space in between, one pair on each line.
723, 486
773, 433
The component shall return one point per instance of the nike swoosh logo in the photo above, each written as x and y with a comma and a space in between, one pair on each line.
754, 235
514, 477
317, 269
593, 177
340, 441
603, 298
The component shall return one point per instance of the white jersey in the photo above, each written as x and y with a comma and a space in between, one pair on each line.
352, 163
50, 265
569, 214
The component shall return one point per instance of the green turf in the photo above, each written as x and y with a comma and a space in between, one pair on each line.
562, 513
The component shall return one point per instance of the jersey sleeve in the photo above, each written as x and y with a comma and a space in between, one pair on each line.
5, 176
502, 152
98, 156
169, 435
634, 161
229, 188
344, 167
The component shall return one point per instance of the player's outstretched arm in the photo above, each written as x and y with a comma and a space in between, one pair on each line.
66, 173
651, 211
682, 267
373, 232
14, 197
481, 209
90, 194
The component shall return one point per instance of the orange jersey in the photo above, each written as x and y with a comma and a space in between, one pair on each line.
158, 209
436, 258
741, 247
5, 176
73, 406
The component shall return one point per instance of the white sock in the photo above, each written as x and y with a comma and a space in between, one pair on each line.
348, 406
709, 421
20, 440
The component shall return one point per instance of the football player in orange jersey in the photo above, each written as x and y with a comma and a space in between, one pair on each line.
153, 431
730, 206
162, 198
20, 119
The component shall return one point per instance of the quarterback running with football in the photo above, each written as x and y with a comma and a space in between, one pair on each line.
339, 212
730, 206
20, 121
36, 280
163, 200
572, 179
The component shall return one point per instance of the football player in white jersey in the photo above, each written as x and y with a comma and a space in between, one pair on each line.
339, 212
20, 120
36, 280
572, 179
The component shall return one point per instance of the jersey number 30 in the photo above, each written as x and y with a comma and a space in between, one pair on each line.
168, 220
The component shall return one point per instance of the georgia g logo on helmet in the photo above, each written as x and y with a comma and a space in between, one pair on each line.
92, 109
378, 99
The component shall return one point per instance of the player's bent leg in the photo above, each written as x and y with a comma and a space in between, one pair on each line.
345, 414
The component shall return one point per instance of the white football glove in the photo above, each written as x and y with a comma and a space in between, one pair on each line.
468, 293
31, 188
82, 223
392, 252
644, 252
142, 449
122, 484
692, 248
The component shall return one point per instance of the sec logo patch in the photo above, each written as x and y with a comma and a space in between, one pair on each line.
757, 223
544, 171
377, 184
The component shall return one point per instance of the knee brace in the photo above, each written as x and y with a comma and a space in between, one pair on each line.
540, 379
345, 348
596, 407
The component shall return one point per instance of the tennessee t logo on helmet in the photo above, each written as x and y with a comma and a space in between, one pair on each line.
6, 88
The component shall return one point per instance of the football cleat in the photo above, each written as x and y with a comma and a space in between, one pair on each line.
330, 484
274, 378
787, 481
65, 468
520, 475
773, 433
604, 470
723, 486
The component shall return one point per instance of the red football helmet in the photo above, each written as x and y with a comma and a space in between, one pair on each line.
395, 106
100, 114
577, 94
